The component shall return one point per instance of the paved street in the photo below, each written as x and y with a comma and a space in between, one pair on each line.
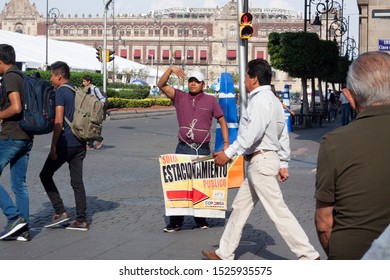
126, 206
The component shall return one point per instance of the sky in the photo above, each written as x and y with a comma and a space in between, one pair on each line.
79, 7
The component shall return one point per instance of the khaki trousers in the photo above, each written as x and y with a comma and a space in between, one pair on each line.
262, 184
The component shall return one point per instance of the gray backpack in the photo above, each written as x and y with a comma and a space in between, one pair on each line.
87, 117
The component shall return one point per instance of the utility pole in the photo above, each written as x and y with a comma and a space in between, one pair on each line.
105, 46
242, 7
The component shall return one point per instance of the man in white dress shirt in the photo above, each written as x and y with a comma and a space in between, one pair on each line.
263, 140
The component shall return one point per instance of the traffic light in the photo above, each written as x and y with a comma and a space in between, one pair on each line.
246, 29
99, 54
109, 55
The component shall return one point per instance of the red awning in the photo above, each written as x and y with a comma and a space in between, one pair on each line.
178, 54
260, 54
137, 54
151, 54
190, 54
232, 54
203, 54
123, 53
165, 54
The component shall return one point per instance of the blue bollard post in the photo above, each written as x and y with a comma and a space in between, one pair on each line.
286, 101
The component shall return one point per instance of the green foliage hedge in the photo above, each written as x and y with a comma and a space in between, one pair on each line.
119, 95
137, 103
137, 93
76, 78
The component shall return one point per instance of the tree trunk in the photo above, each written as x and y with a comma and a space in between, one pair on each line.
321, 93
305, 104
313, 95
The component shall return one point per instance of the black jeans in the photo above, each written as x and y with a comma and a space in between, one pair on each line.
74, 156
183, 148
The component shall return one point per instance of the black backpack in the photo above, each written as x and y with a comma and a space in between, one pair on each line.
38, 100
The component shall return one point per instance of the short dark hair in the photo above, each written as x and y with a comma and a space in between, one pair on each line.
260, 69
60, 67
7, 54
88, 78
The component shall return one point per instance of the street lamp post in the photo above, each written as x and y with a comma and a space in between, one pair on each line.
106, 7
157, 62
53, 14
349, 46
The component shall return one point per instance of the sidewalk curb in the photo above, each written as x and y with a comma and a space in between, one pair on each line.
120, 115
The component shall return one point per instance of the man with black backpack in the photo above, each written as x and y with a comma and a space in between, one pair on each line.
15, 146
94, 90
65, 147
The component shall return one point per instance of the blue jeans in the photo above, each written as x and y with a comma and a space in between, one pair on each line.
16, 153
346, 111
184, 149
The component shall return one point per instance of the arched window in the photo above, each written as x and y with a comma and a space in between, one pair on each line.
194, 32
65, 30
72, 31
100, 30
128, 31
143, 31
180, 31
52, 31
263, 32
80, 30
157, 31
136, 31
93, 30
86, 30
165, 31
150, 31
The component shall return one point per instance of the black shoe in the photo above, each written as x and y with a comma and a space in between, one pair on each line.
172, 228
22, 234
13, 226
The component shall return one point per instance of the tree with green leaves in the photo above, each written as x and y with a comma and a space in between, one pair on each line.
327, 65
297, 54
339, 76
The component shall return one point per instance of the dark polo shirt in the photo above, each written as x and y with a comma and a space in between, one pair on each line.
12, 82
197, 112
352, 172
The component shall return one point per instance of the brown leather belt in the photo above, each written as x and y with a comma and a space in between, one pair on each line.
250, 156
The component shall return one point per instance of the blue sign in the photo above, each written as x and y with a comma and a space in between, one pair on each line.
227, 101
384, 44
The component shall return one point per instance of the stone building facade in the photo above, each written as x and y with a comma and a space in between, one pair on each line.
374, 31
203, 39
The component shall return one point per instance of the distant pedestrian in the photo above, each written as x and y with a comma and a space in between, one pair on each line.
90, 88
332, 107
65, 147
195, 112
15, 146
345, 109
264, 142
352, 186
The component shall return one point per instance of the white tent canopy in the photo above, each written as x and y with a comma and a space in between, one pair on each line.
31, 52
